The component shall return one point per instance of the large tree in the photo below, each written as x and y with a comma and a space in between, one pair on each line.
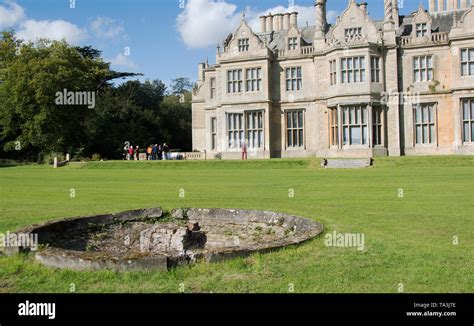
127, 113
180, 86
31, 76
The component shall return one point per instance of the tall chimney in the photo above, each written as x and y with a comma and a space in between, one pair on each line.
286, 21
320, 18
277, 22
432, 7
464, 4
325, 19
294, 18
388, 10
449, 5
263, 24
269, 23
441, 5
388, 15
280, 20
455, 5
201, 68
396, 15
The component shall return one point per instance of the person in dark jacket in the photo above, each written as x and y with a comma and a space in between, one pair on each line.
160, 152
166, 151
154, 152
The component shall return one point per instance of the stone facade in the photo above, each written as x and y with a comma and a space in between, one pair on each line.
403, 85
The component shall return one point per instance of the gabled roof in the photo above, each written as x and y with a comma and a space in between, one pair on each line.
276, 40
441, 22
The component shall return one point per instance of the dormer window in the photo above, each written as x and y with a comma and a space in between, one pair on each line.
421, 30
292, 43
243, 45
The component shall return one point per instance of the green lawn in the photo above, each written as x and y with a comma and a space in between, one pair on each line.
408, 240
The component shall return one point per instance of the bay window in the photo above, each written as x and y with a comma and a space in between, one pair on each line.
423, 68
235, 129
295, 128
354, 125
424, 124
353, 70
468, 120
234, 81
254, 127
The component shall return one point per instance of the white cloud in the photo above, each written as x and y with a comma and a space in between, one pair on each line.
123, 60
13, 15
332, 16
205, 23
32, 30
10, 14
108, 28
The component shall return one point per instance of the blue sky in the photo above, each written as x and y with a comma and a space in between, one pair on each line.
166, 39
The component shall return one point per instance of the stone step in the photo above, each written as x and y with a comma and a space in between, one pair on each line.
347, 163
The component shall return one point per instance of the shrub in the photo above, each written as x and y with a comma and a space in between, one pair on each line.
96, 157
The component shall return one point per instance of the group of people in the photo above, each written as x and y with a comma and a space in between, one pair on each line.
158, 152
153, 152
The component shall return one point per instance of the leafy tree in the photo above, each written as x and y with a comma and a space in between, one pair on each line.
181, 85
31, 75
176, 119
127, 113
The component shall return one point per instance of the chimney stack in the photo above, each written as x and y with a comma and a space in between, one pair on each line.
294, 19
263, 24
449, 5
286, 21
278, 22
280, 19
269, 23
396, 14
201, 68
320, 7
441, 5
388, 15
432, 6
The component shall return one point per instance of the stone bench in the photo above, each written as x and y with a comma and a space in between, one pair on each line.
347, 163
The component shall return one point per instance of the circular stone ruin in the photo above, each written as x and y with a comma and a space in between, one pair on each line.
152, 239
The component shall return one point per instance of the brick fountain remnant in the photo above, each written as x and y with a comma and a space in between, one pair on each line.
149, 239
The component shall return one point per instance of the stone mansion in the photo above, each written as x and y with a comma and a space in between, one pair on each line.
403, 85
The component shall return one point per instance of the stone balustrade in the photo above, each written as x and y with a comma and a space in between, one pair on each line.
442, 37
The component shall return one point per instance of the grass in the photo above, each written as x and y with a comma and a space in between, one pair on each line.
408, 240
